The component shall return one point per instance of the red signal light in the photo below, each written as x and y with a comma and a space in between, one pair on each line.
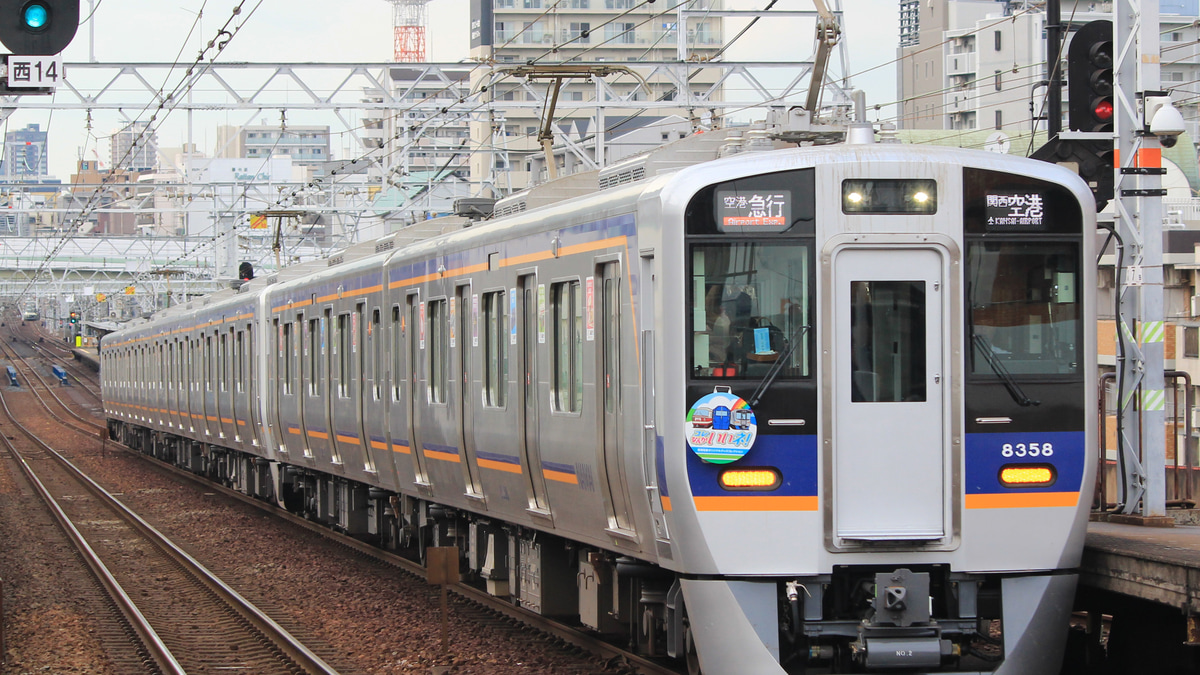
1103, 110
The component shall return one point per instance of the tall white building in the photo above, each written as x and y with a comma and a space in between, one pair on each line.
134, 147
543, 32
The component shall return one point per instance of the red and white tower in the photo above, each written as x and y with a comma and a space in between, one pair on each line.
408, 19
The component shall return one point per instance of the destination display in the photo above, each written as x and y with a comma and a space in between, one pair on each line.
1015, 210
741, 212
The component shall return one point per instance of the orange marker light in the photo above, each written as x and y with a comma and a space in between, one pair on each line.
1026, 475
750, 479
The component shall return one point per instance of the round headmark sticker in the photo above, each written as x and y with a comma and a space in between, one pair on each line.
721, 427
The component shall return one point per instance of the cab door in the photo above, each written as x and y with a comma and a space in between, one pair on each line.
889, 446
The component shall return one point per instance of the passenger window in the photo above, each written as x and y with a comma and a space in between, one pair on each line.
495, 351
567, 388
343, 346
438, 350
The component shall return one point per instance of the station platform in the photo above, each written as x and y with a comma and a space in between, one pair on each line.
1155, 564
88, 357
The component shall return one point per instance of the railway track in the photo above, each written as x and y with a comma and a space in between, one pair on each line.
84, 376
478, 606
186, 619
481, 607
47, 395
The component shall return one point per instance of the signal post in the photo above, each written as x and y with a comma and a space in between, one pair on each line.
1138, 220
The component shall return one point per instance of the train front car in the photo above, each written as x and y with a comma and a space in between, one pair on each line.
885, 450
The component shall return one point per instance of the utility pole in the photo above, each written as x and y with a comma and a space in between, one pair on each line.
1138, 214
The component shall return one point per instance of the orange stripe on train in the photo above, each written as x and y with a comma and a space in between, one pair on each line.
1021, 500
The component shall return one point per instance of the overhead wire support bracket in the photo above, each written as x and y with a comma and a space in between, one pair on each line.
557, 73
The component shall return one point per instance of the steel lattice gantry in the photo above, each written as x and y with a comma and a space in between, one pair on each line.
343, 204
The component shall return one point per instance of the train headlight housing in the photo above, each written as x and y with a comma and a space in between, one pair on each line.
1027, 475
911, 196
759, 478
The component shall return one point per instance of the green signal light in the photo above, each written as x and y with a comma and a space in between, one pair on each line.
36, 16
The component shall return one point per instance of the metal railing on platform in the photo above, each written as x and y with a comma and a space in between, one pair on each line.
1181, 462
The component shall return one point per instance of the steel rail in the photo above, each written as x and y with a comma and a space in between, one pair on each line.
640, 664
154, 645
279, 636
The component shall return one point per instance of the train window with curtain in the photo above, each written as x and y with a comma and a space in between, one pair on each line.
887, 341
495, 349
438, 350
567, 326
1023, 299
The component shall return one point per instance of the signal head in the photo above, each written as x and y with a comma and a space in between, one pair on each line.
38, 27
1090, 78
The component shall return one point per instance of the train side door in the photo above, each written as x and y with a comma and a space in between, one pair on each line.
608, 281
466, 406
251, 379
532, 329
279, 371
416, 347
361, 386
888, 441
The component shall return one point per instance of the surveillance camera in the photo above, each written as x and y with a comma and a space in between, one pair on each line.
1165, 120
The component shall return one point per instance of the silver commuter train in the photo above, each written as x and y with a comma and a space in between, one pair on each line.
886, 350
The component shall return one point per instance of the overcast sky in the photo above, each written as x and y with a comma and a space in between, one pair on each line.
358, 31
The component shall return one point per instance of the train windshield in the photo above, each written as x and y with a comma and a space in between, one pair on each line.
1024, 305
750, 303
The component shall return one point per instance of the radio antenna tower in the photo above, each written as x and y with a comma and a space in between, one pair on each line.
408, 19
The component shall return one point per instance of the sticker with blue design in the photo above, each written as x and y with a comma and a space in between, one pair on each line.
721, 427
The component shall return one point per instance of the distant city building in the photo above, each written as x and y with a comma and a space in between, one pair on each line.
978, 64
134, 148
547, 32
304, 145
25, 157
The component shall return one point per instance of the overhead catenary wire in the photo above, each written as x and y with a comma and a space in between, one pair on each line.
186, 83
393, 151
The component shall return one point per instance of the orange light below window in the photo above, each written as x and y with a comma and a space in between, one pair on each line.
750, 479
1027, 475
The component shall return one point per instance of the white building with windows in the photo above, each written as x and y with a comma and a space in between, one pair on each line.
981, 64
